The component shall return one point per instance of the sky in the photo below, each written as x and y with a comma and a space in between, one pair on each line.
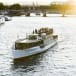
30, 1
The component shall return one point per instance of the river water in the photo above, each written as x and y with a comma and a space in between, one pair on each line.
57, 61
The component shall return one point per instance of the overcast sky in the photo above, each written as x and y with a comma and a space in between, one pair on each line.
30, 1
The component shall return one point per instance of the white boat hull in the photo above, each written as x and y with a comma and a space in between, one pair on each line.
17, 54
2, 19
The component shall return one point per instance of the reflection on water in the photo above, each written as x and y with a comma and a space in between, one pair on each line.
32, 63
59, 60
33, 60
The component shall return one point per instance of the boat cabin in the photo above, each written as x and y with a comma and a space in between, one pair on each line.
33, 40
29, 42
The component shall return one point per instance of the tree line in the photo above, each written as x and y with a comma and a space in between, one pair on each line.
61, 8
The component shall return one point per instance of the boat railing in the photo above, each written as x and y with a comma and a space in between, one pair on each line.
20, 39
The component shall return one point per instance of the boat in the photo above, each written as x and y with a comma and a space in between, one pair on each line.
7, 18
2, 19
35, 43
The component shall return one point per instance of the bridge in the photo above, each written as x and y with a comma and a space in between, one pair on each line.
37, 12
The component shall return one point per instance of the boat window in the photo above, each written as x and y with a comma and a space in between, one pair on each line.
32, 37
